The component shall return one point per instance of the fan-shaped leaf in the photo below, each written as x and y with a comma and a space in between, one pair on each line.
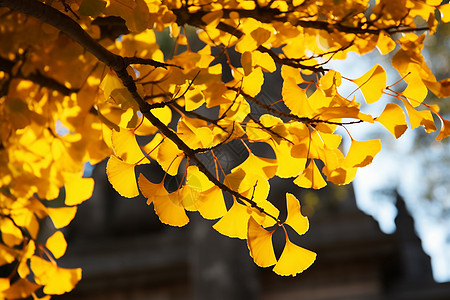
372, 84
235, 222
122, 177
168, 212
393, 118
294, 260
259, 242
294, 218
57, 244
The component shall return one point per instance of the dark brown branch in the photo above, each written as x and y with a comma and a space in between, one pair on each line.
147, 61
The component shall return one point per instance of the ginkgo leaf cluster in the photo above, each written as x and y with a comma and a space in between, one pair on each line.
85, 80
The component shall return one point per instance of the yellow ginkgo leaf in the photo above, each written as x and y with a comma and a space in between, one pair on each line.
259, 242
169, 157
295, 99
212, 18
252, 83
20, 289
57, 244
126, 147
393, 118
235, 222
56, 280
122, 177
211, 204
263, 60
168, 212
193, 98
440, 88
186, 197
294, 260
340, 175
4, 284
288, 165
62, 216
206, 137
310, 177
110, 83
266, 167
361, 153
10, 233
268, 218
294, 218
78, 190
197, 180
385, 43
419, 117
372, 84
445, 12
416, 91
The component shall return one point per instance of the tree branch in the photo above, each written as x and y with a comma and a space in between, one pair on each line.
37, 77
59, 20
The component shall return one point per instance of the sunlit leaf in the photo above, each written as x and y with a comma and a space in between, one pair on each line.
211, 204
310, 177
445, 12
295, 99
194, 98
122, 177
114, 88
20, 289
164, 114
372, 84
253, 82
416, 91
385, 43
197, 180
289, 165
10, 233
56, 280
62, 216
169, 157
419, 117
293, 260
259, 242
361, 153
56, 244
78, 190
393, 118
439, 88
126, 147
294, 218
266, 167
168, 212
235, 222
